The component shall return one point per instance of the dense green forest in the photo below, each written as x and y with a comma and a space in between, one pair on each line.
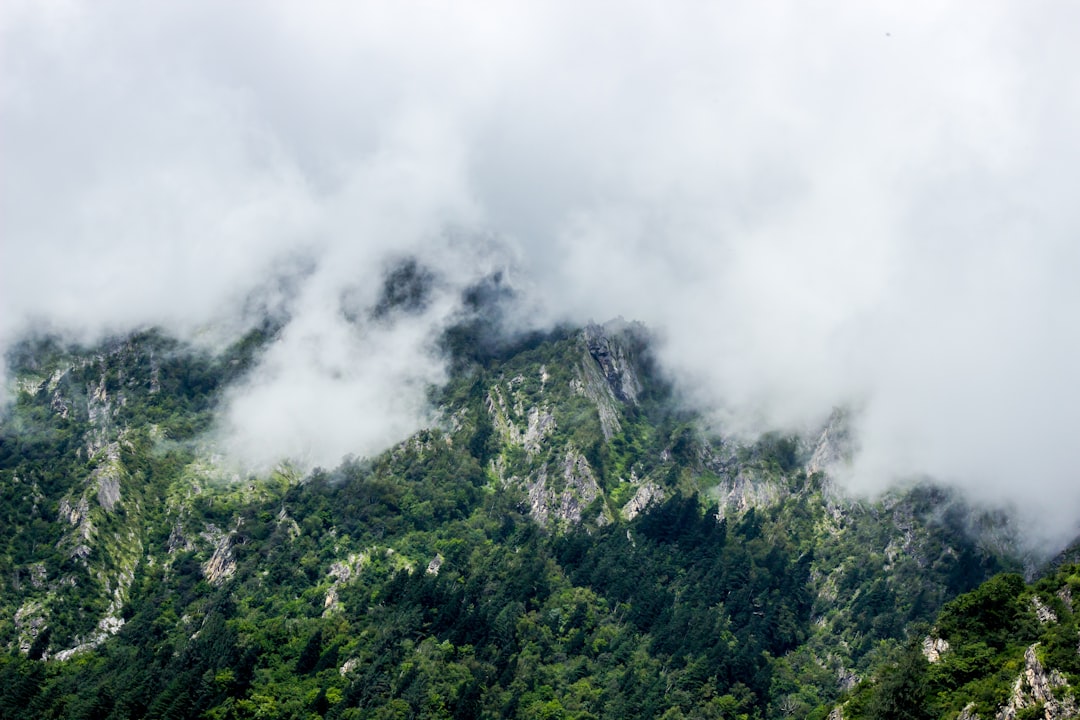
1005, 647
565, 543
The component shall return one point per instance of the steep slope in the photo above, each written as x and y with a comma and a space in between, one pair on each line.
1005, 650
566, 542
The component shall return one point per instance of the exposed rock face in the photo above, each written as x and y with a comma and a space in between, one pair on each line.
592, 386
84, 531
1035, 685
541, 423
74, 515
1045, 614
59, 404
290, 525
846, 679
177, 540
1065, 593
579, 491
435, 564
29, 621
933, 648
507, 413
107, 477
612, 358
107, 627
646, 494
90, 391
330, 602
607, 375
968, 713
746, 491
342, 572
99, 412
221, 565
104, 484
833, 445
108, 494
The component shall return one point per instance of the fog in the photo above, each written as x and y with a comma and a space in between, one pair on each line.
867, 205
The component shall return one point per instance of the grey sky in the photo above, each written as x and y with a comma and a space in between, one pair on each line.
859, 203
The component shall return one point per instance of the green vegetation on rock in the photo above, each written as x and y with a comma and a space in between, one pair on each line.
565, 543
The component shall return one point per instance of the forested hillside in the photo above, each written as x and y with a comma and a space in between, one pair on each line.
565, 542
1005, 650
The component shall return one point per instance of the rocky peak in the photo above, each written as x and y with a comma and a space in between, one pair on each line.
611, 355
1036, 685
607, 373
833, 444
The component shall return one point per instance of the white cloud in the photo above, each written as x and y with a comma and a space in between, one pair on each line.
869, 203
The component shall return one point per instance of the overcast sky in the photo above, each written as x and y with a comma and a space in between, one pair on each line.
864, 204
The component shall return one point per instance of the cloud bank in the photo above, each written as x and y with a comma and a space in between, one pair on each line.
868, 204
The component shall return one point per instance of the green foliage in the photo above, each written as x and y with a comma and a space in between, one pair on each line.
780, 453
989, 630
901, 693
689, 610
996, 613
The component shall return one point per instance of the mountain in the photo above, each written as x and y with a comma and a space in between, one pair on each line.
565, 541
1005, 650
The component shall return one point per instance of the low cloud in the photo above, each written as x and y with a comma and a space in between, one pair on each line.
868, 207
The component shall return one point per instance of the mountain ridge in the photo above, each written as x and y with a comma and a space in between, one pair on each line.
567, 447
